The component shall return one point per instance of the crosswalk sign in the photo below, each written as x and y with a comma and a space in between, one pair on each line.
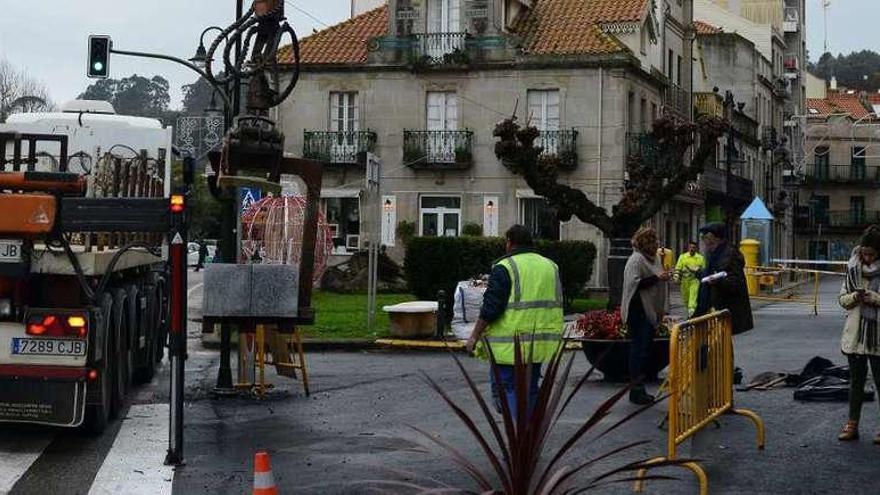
249, 196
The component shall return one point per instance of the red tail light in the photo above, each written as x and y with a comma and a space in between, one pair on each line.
58, 326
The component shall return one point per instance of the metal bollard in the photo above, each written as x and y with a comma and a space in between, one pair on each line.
441, 314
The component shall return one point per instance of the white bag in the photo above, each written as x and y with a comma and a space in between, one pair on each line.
466, 309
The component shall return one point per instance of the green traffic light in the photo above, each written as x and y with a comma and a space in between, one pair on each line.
98, 66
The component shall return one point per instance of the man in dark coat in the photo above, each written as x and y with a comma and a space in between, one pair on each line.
729, 292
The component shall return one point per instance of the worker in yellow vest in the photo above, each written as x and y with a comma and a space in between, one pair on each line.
687, 273
524, 298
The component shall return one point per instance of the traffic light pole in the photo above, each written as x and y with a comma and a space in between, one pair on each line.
177, 347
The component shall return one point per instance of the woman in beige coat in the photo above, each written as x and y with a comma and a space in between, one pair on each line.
860, 296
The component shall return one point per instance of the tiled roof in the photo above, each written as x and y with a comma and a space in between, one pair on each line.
563, 27
836, 104
551, 27
344, 43
703, 27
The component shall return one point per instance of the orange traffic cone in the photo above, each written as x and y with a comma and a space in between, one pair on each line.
264, 482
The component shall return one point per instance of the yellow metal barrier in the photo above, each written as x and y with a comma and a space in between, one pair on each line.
782, 284
700, 384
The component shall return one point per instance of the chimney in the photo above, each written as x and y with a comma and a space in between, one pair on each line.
833, 83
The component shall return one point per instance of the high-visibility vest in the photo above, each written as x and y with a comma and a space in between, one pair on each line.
534, 311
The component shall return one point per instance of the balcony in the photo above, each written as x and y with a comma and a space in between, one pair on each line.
791, 66
842, 174
339, 148
836, 221
782, 88
676, 101
710, 104
438, 150
560, 146
733, 187
791, 20
438, 49
642, 147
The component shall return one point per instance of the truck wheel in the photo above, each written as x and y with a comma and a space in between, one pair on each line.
145, 373
98, 415
121, 362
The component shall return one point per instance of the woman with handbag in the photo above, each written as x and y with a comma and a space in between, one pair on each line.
860, 296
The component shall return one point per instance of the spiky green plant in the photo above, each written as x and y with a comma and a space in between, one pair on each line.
521, 458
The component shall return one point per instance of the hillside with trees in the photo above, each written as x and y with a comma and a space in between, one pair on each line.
858, 70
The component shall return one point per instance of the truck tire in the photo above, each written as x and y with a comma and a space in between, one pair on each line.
119, 354
147, 370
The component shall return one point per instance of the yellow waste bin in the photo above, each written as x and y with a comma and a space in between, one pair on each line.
750, 249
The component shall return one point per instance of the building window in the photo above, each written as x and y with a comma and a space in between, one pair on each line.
540, 218
344, 120
857, 209
669, 65
857, 163
820, 161
440, 216
631, 110
443, 16
544, 109
643, 115
678, 72
343, 217
653, 111
344, 113
643, 41
442, 111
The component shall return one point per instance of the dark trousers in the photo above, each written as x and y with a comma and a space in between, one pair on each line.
858, 369
641, 334
508, 387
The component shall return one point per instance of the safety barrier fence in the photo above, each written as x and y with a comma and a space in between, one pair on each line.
700, 384
787, 284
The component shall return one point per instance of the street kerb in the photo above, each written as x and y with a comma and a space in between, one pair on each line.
700, 384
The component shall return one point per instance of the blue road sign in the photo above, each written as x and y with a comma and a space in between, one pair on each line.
249, 196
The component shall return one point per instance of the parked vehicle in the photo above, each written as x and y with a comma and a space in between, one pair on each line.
83, 272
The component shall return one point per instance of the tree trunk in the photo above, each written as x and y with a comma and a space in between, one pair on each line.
619, 250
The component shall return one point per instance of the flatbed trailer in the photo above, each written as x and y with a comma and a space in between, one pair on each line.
84, 305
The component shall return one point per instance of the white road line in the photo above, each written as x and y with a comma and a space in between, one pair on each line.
17, 452
193, 289
134, 465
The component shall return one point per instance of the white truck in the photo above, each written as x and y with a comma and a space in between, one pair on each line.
83, 277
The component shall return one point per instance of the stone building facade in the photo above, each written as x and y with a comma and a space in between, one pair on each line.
836, 194
421, 84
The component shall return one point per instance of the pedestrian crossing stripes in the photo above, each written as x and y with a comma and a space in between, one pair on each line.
132, 466
135, 463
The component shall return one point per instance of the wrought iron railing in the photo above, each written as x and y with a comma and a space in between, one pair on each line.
441, 49
438, 149
643, 148
677, 101
837, 219
560, 145
842, 174
343, 147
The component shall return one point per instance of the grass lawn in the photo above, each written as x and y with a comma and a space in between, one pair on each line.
582, 305
344, 316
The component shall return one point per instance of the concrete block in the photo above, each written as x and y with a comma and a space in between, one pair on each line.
275, 290
227, 290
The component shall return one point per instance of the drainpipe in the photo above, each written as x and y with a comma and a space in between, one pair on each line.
599, 166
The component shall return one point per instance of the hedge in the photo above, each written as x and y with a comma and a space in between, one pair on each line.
439, 263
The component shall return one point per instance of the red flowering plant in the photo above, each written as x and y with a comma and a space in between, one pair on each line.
608, 325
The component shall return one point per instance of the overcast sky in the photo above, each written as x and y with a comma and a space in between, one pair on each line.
48, 37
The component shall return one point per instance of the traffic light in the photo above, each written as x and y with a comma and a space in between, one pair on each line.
99, 57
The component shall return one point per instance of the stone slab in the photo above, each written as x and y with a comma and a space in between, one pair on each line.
275, 291
227, 290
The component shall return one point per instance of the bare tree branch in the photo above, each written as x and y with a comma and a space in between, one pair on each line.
20, 93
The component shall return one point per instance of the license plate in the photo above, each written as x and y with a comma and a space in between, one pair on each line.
10, 251
49, 347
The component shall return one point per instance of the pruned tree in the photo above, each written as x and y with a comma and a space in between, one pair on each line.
20, 93
659, 168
